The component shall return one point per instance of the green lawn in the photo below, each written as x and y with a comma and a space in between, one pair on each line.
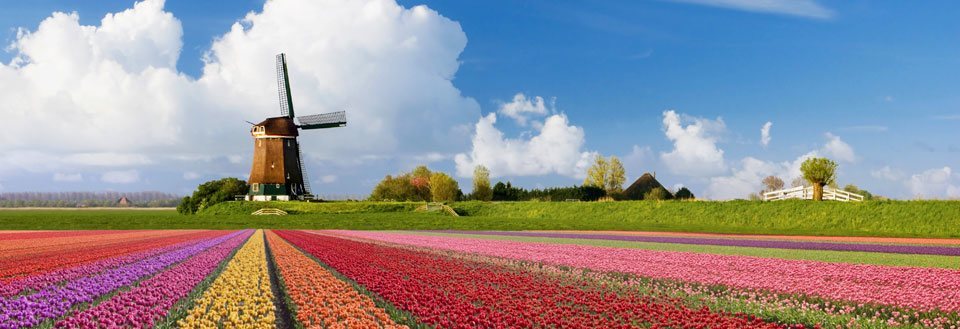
887, 218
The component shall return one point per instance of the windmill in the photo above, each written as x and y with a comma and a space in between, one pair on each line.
278, 172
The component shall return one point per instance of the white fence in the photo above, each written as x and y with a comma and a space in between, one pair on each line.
806, 193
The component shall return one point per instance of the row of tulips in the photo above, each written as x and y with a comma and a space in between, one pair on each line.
41, 280
31, 262
457, 293
57, 300
753, 243
37, 235
26, 249
145, 304
923, 289
321, 299
241, 296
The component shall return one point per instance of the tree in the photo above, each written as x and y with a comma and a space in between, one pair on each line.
481, 184
420, 179
854, 189
684, 194
772, 183
597, 173
443, 187
391, 188
657, 193
798, 182
616, 176
211, 193
819, 172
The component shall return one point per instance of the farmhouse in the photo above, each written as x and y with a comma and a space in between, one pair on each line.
644, 185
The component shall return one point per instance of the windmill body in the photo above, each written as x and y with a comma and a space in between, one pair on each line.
277, 172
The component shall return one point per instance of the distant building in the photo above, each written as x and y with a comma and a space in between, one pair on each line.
123, 202
642, 186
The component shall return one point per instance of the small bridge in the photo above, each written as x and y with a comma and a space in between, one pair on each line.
269, 211
806, 193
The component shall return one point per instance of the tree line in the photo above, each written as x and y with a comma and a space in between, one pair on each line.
87, 199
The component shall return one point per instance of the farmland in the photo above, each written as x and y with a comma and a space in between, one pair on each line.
478, 279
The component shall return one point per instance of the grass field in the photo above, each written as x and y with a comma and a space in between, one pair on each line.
888, 218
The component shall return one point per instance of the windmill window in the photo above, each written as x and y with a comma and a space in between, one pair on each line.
255, 187
259, 142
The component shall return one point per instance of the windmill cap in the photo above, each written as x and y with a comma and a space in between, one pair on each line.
278, 126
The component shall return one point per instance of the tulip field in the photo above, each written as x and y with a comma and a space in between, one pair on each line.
473, 279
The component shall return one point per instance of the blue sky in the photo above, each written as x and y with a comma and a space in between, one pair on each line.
878, 77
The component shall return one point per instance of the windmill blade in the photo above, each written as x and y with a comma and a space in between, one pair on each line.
283, 84
326, 120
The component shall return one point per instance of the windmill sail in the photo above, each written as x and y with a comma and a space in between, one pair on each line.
303, 172
283, 83
326, 120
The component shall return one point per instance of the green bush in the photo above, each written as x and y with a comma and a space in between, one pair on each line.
211, 193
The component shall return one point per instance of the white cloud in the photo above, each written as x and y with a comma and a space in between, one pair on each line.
61, 177
109, 95
556, 148
121, 177
695, 151
742, 182
521, 108
838, 149
802, 8
190, 175
935, 183
107, 88
887, 173
748, 177
765, 133
389, 67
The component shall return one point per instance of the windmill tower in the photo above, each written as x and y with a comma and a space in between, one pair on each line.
278, 172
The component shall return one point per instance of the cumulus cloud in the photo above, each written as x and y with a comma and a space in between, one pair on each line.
695, 151
556, 148
838, 149
887, 173
388, 66
121, 177
935, 183
109, 95
105, 88
801, 8
765, 133
62, 177
522, 108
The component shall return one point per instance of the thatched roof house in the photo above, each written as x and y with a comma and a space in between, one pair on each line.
644, 185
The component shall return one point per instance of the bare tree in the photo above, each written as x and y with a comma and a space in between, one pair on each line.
772, 183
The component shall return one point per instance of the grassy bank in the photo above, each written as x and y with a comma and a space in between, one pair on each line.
887, 218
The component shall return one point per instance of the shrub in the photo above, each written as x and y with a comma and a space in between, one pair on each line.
657, 193
211, 193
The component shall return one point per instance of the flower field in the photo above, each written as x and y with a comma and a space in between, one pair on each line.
454, 279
